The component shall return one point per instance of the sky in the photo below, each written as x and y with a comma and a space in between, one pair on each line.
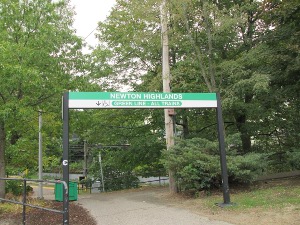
88, 14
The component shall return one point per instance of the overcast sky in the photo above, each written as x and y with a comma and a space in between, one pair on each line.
88, 14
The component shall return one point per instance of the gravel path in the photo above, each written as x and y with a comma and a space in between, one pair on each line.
139, 207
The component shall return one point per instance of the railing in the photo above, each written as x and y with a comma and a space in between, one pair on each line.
24, 204
89, 185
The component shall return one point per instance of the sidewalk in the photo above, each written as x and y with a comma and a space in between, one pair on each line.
139, 208
48, 191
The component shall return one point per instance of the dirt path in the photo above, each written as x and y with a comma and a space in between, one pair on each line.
140, 207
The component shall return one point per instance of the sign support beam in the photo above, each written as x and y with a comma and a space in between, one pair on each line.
225, 185
65, 162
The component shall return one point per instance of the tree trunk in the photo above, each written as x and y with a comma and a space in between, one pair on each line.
245, 136
185, 127
2, 159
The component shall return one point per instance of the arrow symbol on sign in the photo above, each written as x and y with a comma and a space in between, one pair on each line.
98, 103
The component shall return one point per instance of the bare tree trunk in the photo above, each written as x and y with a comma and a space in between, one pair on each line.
241, 123
169, 127
2, 159
245, 136
185, 127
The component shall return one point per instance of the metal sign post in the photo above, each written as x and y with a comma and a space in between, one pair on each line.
225, 185
65, 162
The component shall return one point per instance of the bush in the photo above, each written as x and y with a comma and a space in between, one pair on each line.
120, 180
76, 167
245, 169
151, 170
16, 187
293, 157
87, 182
196, 164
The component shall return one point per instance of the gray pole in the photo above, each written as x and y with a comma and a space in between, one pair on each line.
65, 162
101, 172
85, 159
223, 162
40, 194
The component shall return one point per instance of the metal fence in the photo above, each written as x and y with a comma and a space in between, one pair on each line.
64, 212
96, 186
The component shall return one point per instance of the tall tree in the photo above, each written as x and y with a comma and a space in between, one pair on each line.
39, 53
130, 42
283, 41
246, 50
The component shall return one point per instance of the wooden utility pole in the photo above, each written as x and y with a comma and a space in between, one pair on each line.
169, 126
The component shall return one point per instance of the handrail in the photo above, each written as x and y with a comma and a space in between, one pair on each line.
24, 180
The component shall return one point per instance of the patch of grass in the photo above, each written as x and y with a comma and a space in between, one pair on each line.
271, 197
11, 208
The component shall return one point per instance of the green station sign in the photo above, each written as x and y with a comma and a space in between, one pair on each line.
110, 100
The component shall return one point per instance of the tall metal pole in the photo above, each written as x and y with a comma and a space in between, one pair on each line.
40, 193
65, 162
225, 185
85, 159
101, 172
169, 127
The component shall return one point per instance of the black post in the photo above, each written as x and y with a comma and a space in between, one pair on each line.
24, 202
65, 162
225, 185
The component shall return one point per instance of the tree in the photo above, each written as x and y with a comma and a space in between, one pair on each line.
39, 54
246, 50
130, 42
282, 41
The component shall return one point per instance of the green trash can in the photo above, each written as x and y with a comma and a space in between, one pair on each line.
73, 194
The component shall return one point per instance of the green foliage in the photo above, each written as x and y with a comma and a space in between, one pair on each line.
293, 159
39, 58
246, 50
196, 164
116, 180
52, 164
244, 169
273, 195
149, 170
117, 170
16, 187
76, 167
133, 41
87, 182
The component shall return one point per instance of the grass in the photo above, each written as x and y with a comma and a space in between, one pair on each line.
7, 207
264, 197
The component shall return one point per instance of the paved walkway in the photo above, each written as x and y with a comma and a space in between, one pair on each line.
139, 208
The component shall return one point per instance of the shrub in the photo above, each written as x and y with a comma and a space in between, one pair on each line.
87, 182
76, 167
151, 170
244, 169
196, 164
16, 187
293, 157
116, 180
